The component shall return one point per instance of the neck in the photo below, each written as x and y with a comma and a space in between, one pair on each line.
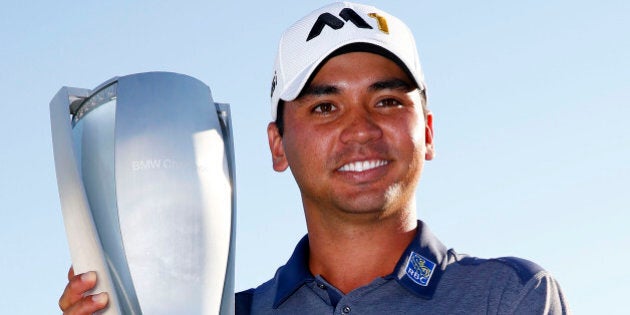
351, 253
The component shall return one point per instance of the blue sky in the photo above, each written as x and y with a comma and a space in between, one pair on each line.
530, 101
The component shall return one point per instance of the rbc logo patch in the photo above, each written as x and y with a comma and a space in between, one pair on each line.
419, 269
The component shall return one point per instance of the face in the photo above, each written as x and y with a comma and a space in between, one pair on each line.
356, 138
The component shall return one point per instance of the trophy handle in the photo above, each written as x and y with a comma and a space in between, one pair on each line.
224, 115
86, 250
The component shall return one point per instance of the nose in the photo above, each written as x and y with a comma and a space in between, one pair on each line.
360, 128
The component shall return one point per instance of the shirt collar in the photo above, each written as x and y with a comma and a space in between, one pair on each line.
294, 274
422, 264
418, 270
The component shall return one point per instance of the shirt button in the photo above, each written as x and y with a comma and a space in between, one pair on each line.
346, 309
321, 286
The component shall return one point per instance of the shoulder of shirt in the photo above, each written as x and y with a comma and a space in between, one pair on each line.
244, 299
524, 269
243, 302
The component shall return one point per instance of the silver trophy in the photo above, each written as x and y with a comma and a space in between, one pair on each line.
145, 171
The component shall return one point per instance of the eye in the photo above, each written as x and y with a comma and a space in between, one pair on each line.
324, 108
388, 102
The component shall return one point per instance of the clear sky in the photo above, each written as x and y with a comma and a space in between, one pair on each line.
531, 104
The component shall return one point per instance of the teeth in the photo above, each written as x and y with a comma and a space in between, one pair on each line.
361, 166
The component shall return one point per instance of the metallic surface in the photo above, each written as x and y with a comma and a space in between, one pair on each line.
155, 158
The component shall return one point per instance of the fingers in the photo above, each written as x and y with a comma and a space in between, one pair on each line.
88, 305
75, 289
72, 300
70, 273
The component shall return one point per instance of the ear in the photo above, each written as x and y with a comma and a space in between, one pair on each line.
276, 147
428, 137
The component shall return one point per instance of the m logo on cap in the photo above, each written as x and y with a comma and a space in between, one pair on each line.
346, 14
274, 82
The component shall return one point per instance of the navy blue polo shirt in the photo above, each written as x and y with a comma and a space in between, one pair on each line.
428, 279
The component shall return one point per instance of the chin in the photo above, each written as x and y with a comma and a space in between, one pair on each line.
379, 205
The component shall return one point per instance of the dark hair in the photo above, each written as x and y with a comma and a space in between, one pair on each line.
280, 117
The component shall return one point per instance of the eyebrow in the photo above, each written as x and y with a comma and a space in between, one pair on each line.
318, 90
392, 84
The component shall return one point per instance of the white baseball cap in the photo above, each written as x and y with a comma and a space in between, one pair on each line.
335, 29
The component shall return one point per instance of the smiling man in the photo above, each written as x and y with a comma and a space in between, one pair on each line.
351, 123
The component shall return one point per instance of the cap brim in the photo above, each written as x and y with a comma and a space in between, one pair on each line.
293, 90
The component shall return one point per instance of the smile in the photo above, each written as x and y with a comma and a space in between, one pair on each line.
361, 166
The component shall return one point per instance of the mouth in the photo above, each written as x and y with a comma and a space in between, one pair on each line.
361, 166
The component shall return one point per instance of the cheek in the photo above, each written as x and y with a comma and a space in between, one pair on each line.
413, 129
418, 133
303, 150
417, 121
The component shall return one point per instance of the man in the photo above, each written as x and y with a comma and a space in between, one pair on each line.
351, 123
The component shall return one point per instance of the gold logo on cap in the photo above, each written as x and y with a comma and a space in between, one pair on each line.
382, 22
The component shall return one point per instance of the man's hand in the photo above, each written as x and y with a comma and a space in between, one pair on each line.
72, 302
